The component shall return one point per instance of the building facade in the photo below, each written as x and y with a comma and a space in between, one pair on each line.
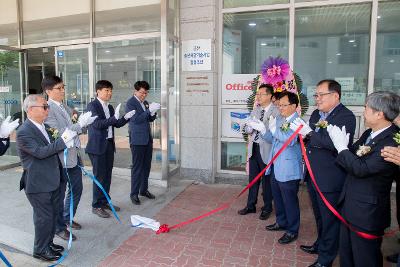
199, 58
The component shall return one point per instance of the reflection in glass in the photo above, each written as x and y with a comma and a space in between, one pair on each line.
8, 23
233, 156
41, 62
333, 42
239, 3
250, 38
387, 65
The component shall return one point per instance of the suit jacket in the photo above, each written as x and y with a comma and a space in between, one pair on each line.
265, 147
98, 130
139, 124
288, 166
60, 120
4, 147
366, 192
42, 168
322, 153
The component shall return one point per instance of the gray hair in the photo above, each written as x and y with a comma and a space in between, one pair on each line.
387, 102
31, 100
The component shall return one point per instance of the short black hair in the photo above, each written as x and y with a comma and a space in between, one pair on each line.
333, 86
49, 82
277, 95
103, 84
267, 87
142, 84
292, 97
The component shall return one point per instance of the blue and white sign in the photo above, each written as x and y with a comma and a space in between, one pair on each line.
196, 55
60, 54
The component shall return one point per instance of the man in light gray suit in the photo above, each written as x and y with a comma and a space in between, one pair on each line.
258, 152
60, 118
38, 149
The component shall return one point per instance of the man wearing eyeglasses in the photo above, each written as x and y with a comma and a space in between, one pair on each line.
258, 152
328, 175
38, 149
60, 118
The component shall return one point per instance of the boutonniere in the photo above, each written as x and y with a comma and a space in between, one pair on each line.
322, 124
74, 118
285, 126
397, 138
146, 105
363, 150
54, 133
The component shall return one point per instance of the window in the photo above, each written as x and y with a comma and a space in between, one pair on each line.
240, 3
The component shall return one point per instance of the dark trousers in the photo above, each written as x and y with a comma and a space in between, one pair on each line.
256, 165
286, 204
45, 209
141, 164
356, 251
102, 169
315, 207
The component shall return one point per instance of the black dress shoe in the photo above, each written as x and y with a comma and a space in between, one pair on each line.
274, 227
287, 238
246, 211
309, 249
392, 258
47, 255
107, 207
135, 199
264, 215
148, 195
64, 234
317, 264
56, 248
100, 212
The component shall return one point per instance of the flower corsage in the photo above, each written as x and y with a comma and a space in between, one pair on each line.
54, 133
285, 126
322, 124
397, 138
363, 150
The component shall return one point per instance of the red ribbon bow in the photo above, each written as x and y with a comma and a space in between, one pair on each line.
164, 228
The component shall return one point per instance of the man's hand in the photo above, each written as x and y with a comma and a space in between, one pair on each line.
68, 137
339, 137
391, 154
129, 115
153, 107
116, 114
257, 125
295, 125
272, 124
86, 119
8, 127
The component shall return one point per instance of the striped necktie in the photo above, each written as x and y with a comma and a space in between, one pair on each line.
261, 119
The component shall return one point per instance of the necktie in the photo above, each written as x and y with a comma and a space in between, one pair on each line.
261, 119
369, 139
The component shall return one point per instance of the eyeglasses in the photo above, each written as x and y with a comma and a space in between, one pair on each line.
60, 87
45, 107
284, 105
321, 94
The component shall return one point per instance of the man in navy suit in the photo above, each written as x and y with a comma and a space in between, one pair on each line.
365, 199
328, 175
101, 145
140, 140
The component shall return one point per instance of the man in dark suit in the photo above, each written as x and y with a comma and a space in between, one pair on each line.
140, 140
328, 175
365, 198
38, 149
6, 129
101, 145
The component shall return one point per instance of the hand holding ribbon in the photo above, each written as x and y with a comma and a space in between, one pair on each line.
296, 123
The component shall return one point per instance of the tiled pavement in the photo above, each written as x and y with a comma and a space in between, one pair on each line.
223, 239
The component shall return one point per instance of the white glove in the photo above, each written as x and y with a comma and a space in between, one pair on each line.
153, 107
257, 125
68, 137
339, 137
116, 114
129, 115
272, 124
295, 125
86, 119
8, 127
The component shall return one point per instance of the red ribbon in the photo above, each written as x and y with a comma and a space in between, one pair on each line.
330, 207
165, 228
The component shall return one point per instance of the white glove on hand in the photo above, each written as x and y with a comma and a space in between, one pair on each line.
129, 115
8, 127
86, 119
272, 124
295, 125
257, 125
153, 107
116, 114
339, 137
68, 137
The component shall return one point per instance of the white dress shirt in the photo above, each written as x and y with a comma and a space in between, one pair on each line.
42, 129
